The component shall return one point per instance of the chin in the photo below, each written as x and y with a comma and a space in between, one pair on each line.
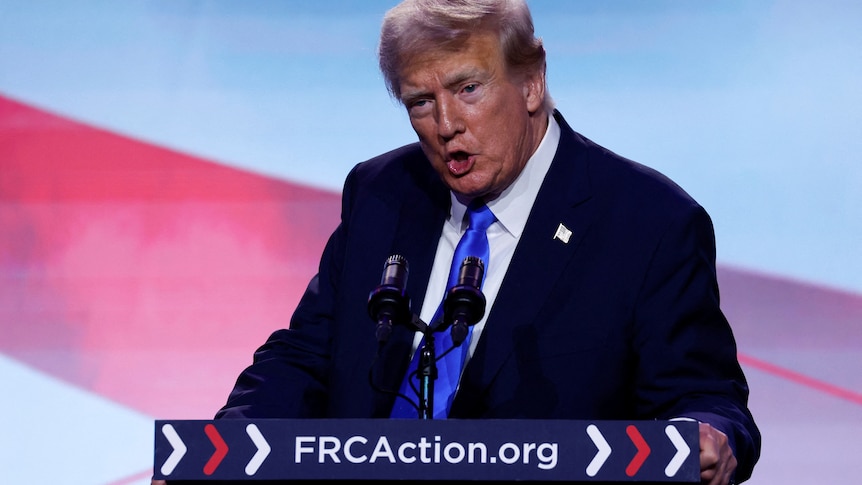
469, 194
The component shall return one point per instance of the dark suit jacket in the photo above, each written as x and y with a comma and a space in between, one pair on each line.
621, 322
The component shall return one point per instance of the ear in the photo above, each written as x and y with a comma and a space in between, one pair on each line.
534, 90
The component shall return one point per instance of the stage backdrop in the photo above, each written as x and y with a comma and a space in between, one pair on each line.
170, 172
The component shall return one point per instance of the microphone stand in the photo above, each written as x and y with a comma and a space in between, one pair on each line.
427, 372
464, 303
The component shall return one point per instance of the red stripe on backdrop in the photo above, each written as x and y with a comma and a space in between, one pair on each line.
801, 379
136, 478
787, 320
143, 274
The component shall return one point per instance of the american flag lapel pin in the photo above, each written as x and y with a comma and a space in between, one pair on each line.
563, 233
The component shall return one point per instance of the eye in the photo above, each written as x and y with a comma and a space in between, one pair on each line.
418, 107
471, 88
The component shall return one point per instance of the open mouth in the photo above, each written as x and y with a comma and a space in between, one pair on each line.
460, 162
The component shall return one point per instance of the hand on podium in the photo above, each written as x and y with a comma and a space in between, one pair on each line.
717, 462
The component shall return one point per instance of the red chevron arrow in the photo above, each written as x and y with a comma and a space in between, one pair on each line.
643, 450
220, 449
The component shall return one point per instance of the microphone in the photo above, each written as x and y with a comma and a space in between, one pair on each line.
389, 302
465, 304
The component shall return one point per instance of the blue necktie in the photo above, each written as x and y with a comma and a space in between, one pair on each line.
474, 242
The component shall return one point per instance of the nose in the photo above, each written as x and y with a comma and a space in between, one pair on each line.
449, 120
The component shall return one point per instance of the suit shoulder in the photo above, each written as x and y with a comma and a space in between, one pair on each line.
393, 175
616, 174
394, 163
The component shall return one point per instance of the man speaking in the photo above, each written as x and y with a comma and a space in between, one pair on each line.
598, 273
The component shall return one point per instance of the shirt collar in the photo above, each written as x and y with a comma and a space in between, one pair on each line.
512, 207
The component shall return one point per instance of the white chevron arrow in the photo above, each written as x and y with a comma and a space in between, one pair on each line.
263, 449
682, 450
603, 453
179, 449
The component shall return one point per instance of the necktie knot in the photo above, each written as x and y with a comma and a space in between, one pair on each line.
480, 216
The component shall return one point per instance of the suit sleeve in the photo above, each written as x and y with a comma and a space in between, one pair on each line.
289, 372
687, 352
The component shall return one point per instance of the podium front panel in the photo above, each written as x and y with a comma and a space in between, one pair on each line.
437, 450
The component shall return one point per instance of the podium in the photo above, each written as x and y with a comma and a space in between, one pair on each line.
233, 450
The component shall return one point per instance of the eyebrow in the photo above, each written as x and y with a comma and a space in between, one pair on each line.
461, 77
451, 81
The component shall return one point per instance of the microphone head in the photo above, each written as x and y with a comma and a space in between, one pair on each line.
465, 302
390, 300
395, 272
471, 273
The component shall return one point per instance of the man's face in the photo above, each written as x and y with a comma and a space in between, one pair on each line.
477, 123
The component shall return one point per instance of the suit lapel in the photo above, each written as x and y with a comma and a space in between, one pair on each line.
539, 258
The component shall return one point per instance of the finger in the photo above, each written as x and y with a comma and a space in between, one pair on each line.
717, 462
709, 454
